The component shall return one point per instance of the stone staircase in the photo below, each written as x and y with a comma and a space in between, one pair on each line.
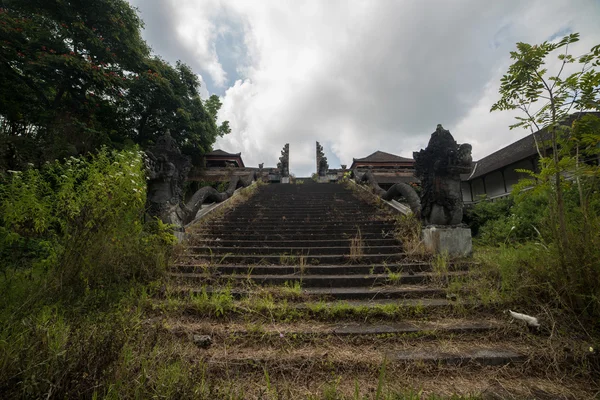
308, 280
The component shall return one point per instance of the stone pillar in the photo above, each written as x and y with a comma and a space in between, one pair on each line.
284, 164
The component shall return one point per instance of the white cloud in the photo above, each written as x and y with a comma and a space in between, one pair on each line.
363, 76
204, 94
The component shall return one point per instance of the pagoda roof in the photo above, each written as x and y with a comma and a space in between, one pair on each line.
383, 157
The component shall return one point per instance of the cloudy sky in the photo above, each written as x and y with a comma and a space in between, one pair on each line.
357, 75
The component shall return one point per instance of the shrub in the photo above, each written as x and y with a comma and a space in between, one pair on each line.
512, 219
81, 221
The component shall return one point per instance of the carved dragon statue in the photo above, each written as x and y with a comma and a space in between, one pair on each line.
438, 167
395, 192
167, 172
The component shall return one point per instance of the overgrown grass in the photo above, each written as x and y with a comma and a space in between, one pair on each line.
408, 232
521, 257
76, 259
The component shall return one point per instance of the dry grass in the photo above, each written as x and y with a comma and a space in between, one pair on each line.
408, 232
356, 247
297, 369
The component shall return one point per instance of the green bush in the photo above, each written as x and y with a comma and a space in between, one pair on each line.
75, 258
528, 257
81, 221
507, 220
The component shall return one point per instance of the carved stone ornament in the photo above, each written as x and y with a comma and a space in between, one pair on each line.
322, 165
439, 167
284, 161
167, 173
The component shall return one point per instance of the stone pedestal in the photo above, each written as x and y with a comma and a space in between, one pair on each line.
454, 241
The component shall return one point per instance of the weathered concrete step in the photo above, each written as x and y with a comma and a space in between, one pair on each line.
421, 303
417, 293
375, 293
304, 201
369, 357
297, 243
303, 219
355, 229
313, 223
267, 259
326, 215
306, 225
365, 269
300, 230
389, 330
219, 250
319, 281
266, 210
272, 235
310, 198
301, 204
488, 356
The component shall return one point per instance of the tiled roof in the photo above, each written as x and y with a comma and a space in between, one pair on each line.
517, 151
380, 156
220, 152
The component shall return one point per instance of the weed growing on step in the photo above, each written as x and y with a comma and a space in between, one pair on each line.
356, 247
408, 232
393, 277
293, 288
302, 264
439, 266
215, 304
287, 259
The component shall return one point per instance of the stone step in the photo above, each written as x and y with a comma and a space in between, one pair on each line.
268, 259
272, 235
421, 295
318, 281
349, 230
388, 330
364, 269
297, 243
305, 225
411, 300
368, 357
319, 219
325, 215
220, 250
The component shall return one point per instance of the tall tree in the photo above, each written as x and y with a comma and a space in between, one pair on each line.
75, 75
213, 105
60, 64
164, 98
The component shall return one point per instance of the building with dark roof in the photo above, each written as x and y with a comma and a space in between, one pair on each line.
388, 169
495, 175
219, 158
381, 159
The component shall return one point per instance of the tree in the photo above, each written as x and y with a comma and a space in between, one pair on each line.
77, 75
547, 104
61, 63
213, 105
164, 98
